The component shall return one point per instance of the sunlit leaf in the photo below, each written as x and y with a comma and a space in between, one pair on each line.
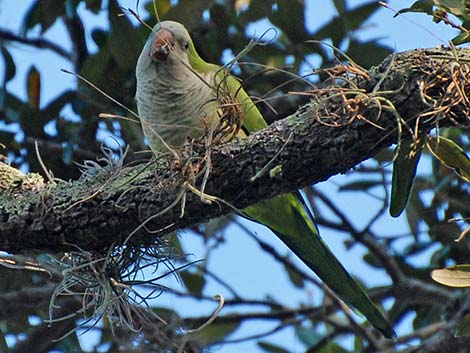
455, 276
455, 7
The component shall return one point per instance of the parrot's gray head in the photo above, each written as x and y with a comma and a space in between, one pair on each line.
169, 43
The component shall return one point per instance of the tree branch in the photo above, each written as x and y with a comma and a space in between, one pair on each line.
342, 126
35, 42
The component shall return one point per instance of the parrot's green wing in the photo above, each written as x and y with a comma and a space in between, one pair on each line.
288, 218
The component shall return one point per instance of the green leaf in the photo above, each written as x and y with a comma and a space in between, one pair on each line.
51, 10
166, 314
462, 38
175, 244
94, 67
93, 5
414, 210
216, 332
333, 347
358, 344
360, 185
52, 110
31, 18
162, 6
124, 41
463, 328
376, 52
451, 155
455, 7
33, 87
454, 276
258, 9
43, 13
10, 67
99, 36
293, 25
216, 226
372, 260
188, 12
308, 335
423, 6
340, 6
404, 171
295, 278
13, 107
194, 282
271, 348
340, 27
426, 316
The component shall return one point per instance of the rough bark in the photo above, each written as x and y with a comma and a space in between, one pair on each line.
104, 208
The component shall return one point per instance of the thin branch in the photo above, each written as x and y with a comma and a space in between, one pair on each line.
35, 42
369, 241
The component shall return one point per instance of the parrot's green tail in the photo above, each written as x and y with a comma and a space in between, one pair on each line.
286, 216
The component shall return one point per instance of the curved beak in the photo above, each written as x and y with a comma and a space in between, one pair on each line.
162, 44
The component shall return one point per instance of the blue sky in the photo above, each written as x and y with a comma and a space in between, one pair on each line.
239, 259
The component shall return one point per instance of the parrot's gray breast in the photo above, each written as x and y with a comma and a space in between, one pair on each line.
172, 101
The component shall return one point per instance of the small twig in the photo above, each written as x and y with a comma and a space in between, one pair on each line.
221, 300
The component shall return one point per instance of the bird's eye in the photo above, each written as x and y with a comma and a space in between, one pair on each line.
186, 45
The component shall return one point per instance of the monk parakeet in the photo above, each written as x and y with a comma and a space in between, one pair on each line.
178, 94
